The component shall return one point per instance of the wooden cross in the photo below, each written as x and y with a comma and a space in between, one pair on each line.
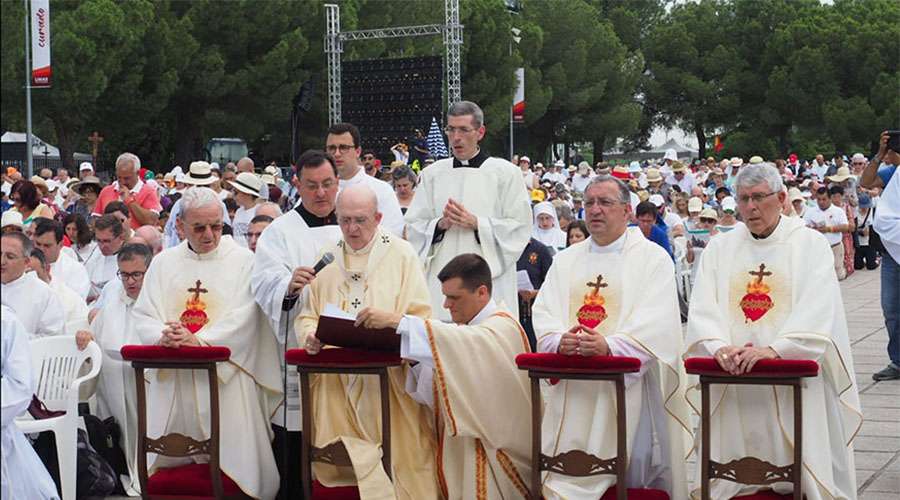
761, 273
197, 291
95, 139
597, 285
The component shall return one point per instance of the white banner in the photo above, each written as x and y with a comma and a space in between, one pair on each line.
40, 43
519, 97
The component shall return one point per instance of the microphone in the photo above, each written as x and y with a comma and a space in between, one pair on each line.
326, 259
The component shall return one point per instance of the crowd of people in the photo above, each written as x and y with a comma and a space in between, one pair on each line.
472, 260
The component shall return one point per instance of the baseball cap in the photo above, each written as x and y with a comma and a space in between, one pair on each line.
657, 200
85, 165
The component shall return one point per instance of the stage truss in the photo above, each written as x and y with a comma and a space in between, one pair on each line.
451, 31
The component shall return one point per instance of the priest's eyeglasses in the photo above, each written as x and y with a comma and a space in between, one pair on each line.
458, 130
343, 148
602, 202
201, 228
756, 198
135, 276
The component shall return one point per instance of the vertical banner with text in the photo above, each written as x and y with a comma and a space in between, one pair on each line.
519, 97
40, 43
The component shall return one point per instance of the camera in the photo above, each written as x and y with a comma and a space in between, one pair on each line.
894, 140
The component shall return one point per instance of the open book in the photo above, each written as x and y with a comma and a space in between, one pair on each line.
336, 328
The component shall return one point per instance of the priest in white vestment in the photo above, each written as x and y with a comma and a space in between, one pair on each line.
483, 435
22, 474
34, 302
48, 237
113, 328
768, 290
198, 293
344, 145
282, 267
470, 203
102, 267
372, 268
614, 294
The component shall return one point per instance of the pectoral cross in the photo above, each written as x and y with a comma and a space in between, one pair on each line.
197, 291
95, 139
761, 273
356, 303
597, 285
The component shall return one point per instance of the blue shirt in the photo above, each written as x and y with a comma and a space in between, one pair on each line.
885, 173
659, 236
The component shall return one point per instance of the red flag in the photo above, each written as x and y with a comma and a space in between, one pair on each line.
718, 144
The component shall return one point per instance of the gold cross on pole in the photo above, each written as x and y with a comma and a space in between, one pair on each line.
95, 139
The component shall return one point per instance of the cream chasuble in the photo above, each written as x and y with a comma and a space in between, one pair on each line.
493, 192
387, 275
626, 293
210, 294
481, 403
116, 397
782, 292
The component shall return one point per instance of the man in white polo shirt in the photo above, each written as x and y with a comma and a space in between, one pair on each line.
832, 222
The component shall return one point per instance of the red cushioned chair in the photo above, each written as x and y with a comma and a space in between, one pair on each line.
193, 481
751, 470
577, 462
339, 361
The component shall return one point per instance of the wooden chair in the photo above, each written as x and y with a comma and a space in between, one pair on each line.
577, 462
192, 481
752, 470
339, 361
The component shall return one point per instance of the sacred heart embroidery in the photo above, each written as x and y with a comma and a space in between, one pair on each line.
592, 312
532, 258
194, 316
756, 303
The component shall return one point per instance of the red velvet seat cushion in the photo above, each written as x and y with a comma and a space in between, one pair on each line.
320, 492
577, 364
764, 495
636, 494
785, 368
185, 354
188, 480
339, 357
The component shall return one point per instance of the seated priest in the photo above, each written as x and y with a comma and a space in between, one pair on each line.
767, 290
197, 293
483, 431
36, 305
372, 268
614, 294
74, 308
112, 328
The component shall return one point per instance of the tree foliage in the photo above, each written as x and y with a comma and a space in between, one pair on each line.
161, 77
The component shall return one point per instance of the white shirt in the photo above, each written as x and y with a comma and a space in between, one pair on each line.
392, 217
580, 183
686, 184
554, 177
72, 273
101, 269
36, 304
833, 216
528, 177
241, 224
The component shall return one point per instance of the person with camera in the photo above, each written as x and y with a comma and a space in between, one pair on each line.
887, 225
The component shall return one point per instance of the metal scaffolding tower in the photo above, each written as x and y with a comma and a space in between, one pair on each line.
335, 38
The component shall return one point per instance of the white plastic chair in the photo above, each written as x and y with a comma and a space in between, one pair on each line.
55, 363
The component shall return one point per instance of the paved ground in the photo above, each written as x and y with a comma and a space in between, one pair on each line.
877, 445
878, 442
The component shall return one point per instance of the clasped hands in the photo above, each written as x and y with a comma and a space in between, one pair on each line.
456, 215
583, 341
176, 335
739, 360
369, 317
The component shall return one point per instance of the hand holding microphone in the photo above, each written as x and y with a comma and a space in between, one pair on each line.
303, 275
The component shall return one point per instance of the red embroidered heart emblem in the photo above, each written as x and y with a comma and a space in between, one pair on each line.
194, 319
755, 305
591, 315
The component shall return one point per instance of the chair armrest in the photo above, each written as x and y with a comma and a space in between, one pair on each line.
92, 352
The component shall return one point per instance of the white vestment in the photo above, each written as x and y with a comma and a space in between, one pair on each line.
492, 192
36, 304
626, 292
392, 217
285, 245
68, 270
211, 292
23, 475
781, 292
116, 391
101, 270
76, 310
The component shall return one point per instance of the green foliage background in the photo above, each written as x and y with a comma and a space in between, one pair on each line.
161, 77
